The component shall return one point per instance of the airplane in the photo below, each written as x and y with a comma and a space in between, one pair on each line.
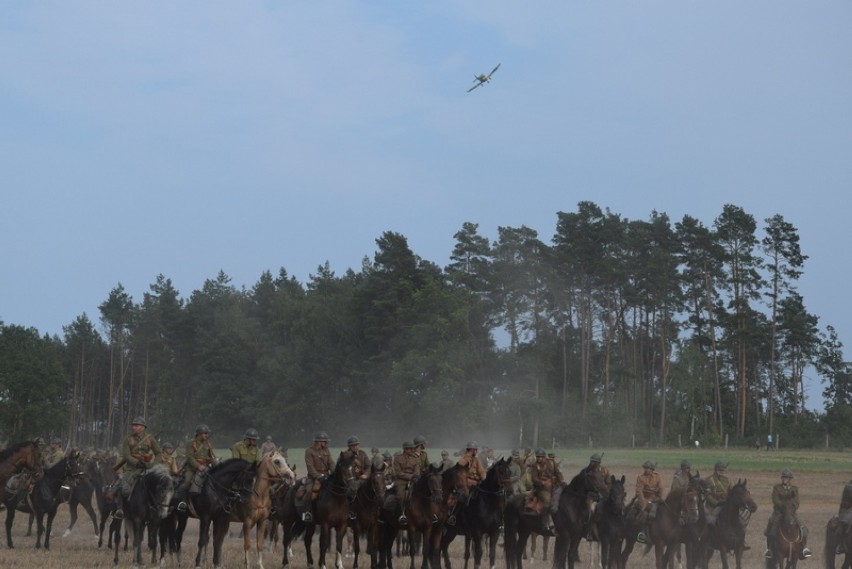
483, 79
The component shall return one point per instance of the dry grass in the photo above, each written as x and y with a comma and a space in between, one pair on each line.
820, 494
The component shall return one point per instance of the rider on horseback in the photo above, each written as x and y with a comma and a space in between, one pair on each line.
649, 493
361, 467
168, 459
718, 486
406, 467
844, 516
781, 492
139, 451
247, 449
420, 452
319, 465
474, 471
199, 457
541, 476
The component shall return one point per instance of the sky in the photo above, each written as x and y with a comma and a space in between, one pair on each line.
185, 138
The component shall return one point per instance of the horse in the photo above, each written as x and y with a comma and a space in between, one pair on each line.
572, 515
147, 504
44, 498
728, 533
675, 524
90, 483
837, 535
331, 511
16, 457
789, 539
519, 525
433, 495
365, 507
610, 525
481, 516
256, 511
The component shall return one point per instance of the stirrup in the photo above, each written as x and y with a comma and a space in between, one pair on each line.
806, 553
118, 514
403, 521
451, 521
353, 516
181, 507
768, 554
307, 517
640, 537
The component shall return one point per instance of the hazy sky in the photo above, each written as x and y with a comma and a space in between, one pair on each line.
184, 138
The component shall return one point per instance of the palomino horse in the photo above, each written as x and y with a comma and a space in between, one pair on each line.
571, 520
668, 530
44, 498
728, 533
789, 539
366, 506
16, 457
147, 504
481, 516
255, 512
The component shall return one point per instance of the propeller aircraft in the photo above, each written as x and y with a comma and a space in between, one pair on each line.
481, 80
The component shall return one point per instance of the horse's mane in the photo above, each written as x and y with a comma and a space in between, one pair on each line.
160, 472
579, 481
229, 466
12, 450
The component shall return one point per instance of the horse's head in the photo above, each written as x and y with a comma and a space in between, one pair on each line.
159, 488
739, 497
454, 481
73, 466
499, 477
617, 495
376, 483
276, 466
592, 481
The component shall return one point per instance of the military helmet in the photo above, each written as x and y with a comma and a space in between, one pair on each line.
649, 464
685, 465
269, 437
720, 465
387, 454
471, 445
407, 444
39, 441
419, 440
374, 450
445, 453
139, 421
786, 473
595, 458
202, 429
540, 452
251, 434
516, 452
353, 440
56, 441
321, 436
168, 445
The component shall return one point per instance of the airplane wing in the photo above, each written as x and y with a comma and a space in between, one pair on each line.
474, 87
493, 70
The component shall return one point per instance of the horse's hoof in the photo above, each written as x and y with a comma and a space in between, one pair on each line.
67, 533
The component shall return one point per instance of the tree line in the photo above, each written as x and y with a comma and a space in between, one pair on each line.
616, 331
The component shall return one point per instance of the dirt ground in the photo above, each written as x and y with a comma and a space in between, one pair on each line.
820, 496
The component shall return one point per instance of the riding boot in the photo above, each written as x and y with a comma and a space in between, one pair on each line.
180, 497
768, 553
546, 524
118, 513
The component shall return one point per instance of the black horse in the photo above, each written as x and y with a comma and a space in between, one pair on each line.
365, 507
610, 523
571, 520
147, 504
481, 516
728, 533
89, 484
44, 498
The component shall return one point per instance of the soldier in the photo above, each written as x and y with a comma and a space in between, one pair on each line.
361, 464
541, 477
718, 487
247, 449
268, 446
199, 457
681, 478
406, 466
167, 458
420, 452
319, 465
515, 471
387, 459
53, 454
489, 459
649, 493
473, 466
375, 454
138, 451
780, 492
446, 461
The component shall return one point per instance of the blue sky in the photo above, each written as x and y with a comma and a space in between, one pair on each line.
187, 137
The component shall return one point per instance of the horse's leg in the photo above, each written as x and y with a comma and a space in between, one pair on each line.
477, 549
203, 538
220, 530
92, 516
492, 548
309, 537
340, 532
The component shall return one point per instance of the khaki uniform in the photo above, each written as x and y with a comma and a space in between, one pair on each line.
318, 462
649, 488
199, 453
267, 447
170, 462
780, 493
405, 468
424, 459
719, 485
52, 456
607, 477
473, 468
139, 448
249, 453
447, 463
680, 481
361, 463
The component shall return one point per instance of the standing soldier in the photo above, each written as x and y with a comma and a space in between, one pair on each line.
420, 452
138, 451
54, 453
406, 466
718, 487
780, 492
199, 457
649, 493
319, 465
472, 465
167, 458
247, 449
268, 446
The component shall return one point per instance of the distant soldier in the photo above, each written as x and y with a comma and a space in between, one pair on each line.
319, 464
420, 452
446, 461
649, 493
53, 454
247, 449
781, 492
473, 467
541, 477
199, 457
168, 458
361, 463
139, 451
681, 478
406, 466
268, 446
718, 487
387, 458
489, 459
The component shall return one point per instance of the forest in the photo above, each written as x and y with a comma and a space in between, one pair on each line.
616, 332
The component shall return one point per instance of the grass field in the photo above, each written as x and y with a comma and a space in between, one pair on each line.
819, 475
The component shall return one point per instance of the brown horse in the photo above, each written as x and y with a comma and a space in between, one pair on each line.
15, 458
571, 520
433, 497
255, 512
728, 533
365, 507
789, 539
837, 535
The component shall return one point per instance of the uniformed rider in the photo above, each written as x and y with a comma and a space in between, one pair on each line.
168, 458
649, 493
247, 448
780, 493
199, 457
406, 467
139, 451
474, 470
319, 464
420, 452
542, 477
